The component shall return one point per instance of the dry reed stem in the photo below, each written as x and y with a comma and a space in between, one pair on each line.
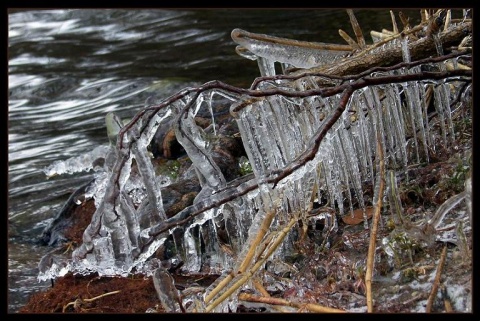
436, 281
281, 235
238, 34
393, 36
388, 32
379, 35
312, 307
219, 287
260, 235
373, 232
248, 257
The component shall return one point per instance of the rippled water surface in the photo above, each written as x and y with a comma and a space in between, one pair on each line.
68, 68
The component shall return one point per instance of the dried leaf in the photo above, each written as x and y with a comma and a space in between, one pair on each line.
357, 216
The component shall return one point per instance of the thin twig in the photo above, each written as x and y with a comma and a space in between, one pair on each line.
278, 301
436, 282
80, 301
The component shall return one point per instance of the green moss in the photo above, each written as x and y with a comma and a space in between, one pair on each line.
170, 168
245, 166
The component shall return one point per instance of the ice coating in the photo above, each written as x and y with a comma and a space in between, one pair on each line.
129, 224
85, 162
275, 130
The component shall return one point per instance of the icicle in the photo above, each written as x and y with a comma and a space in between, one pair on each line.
445, 94
266, 67
405, 50
373, 101
210, 109
243, 52
131, 220
276, 125
335, 166
398, 143
267, 142
394, 199
363, 131
440, 104
249, 137
192, 256
407, 89
420, 115
145, 167
426, 128
194, 140
329, 183
438, 44
354, 171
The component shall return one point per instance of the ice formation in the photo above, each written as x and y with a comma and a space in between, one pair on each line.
281, 121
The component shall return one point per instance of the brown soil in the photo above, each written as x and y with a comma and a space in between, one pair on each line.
71, 293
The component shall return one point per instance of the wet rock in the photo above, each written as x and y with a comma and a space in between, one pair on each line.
54, 233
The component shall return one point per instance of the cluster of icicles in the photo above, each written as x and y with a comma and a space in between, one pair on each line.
130, 224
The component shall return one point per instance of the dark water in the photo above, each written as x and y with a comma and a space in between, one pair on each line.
68, 68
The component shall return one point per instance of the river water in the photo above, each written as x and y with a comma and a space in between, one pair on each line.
68, 68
